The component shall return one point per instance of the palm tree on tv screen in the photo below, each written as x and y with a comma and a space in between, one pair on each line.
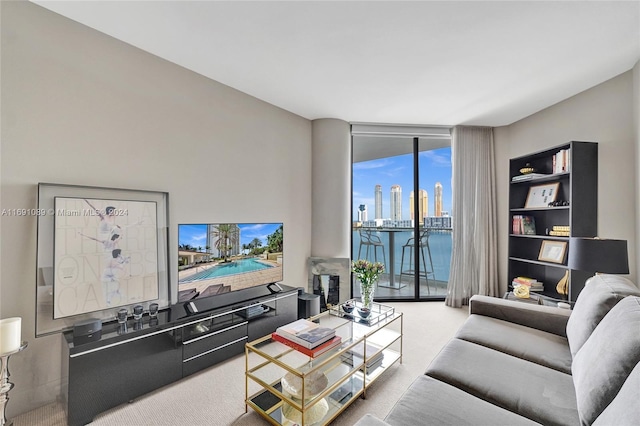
256, 243
274, 241
226, 237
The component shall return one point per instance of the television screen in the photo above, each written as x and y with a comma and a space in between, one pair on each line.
217, 258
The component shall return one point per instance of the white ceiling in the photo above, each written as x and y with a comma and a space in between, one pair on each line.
420, 62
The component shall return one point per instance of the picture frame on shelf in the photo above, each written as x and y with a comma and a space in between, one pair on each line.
542, 195
552, 251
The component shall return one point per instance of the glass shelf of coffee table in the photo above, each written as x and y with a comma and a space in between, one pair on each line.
287, 387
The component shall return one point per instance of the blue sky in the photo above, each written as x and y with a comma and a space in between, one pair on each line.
435, 166
196, 234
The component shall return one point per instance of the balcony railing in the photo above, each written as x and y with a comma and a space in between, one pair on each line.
386, 245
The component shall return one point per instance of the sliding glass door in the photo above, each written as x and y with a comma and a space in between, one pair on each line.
401, 198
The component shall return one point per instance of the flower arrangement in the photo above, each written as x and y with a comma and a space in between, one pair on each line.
367, 273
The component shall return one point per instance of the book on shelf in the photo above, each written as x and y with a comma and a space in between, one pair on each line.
524, 225
374, 352
532, 283
560, 231
306, 333
515, 224
562, 161
314, 352
355, 356
370, 365
536, 287
525, 280
529, 176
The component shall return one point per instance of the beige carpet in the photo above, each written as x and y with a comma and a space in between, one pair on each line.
215, 396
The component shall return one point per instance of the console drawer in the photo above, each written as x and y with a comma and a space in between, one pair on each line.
215, 339
207, 359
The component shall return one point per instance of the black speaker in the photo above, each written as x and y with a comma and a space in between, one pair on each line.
308, 305
87, 330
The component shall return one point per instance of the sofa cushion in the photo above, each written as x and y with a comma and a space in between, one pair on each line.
546, 318
539, 393
431, 402
523, 342
606, 359
600, 293
624, 410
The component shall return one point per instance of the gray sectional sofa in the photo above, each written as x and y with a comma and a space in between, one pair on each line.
514, 363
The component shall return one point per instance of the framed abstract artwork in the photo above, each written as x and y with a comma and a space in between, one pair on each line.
542, 195
99, 250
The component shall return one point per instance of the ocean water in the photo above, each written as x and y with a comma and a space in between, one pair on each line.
440, 243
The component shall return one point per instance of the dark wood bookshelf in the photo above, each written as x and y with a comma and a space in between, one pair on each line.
578, 186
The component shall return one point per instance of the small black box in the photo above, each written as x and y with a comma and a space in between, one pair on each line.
88, 328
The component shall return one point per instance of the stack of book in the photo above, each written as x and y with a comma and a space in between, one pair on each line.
532, 283
560, 231
307, 337
355, 355
523, 225
528, 176
562, 161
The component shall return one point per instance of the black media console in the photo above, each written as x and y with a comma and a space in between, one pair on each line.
127, 362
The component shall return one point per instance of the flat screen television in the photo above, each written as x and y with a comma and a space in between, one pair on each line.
218, 258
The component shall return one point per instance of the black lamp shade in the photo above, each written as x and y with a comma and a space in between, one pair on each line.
598, 255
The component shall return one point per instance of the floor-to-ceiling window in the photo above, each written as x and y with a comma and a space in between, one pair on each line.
401, 203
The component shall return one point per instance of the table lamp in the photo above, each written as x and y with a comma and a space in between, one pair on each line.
598, 255
10, 343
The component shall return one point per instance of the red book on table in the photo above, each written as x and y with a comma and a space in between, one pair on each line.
315, 352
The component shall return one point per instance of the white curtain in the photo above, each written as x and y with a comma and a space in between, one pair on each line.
474, 258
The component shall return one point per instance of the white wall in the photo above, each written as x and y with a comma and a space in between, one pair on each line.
602, 114
79, 107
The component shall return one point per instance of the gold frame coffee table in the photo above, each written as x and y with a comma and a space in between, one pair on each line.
287, 387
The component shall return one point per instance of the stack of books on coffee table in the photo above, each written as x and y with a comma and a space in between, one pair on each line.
307, 337
355, 355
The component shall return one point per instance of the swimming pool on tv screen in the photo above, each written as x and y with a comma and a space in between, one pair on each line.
235, 267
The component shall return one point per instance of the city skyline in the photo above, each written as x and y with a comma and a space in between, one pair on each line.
373, 180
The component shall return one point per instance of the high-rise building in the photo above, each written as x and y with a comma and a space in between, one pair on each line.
396, 202
362, 213
438, 199
412, 204
423, 206
378, 201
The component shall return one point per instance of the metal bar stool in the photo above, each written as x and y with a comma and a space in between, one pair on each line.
371, 241
423, 243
